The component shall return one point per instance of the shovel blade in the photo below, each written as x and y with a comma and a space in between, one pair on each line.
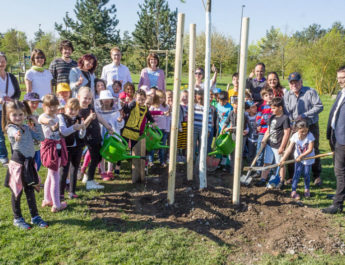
246, 180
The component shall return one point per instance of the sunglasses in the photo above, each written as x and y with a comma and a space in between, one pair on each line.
198, 73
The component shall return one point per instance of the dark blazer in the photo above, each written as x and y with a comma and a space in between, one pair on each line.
16, 87
338, 134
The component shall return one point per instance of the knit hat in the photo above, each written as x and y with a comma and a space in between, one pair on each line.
62, 87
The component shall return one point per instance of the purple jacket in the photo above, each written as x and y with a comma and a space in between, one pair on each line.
144, 79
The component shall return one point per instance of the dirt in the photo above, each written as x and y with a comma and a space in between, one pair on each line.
267, 221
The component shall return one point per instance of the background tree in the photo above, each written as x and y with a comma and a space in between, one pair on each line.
94, 30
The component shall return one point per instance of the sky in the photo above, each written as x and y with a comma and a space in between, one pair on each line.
289, 16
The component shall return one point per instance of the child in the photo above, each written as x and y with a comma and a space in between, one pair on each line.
99, 86
63, 92
73, 129
162, 109
223, 109
93, 138
53, 153
198, 117
117, 87
33, 100
214, 96
138, 116
111, 114
129, 88
182, 134
304, 142
277, 136
264, 113
253, 133
22, 173
233, 93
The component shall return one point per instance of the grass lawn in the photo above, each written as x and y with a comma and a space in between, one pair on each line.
75, 236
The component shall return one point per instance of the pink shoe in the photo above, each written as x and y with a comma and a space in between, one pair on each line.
110, 175
295, 195
62, 207
105, 177
44, 204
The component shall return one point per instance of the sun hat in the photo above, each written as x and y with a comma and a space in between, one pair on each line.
63, 87
105, 94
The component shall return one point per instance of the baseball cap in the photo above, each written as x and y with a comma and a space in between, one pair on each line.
61, 87
216, 90
295, 76
32, 96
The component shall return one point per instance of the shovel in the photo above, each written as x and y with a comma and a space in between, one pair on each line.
249, 169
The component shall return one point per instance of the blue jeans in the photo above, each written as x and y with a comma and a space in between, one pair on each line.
299, 170
197, 141
3, 150
209, 140
260, 161
37, 158
162, 151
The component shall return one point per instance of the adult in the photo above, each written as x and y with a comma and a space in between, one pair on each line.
83, 75
61, 67
303, 102
152, 76
254, 85
38, 79
274, 83
199, 78
115, 70
335, 133
9, 90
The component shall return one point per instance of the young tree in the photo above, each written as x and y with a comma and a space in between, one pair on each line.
48, 44
94, 30
156, 27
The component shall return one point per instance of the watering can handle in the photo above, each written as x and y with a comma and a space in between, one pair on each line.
156, 127
119, 136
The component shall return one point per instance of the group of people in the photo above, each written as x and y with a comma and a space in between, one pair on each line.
67, 113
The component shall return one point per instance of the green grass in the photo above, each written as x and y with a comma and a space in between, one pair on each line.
76, 236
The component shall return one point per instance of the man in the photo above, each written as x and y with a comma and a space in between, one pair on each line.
115, 71
256, 84
336, 136
61, 67
304, 103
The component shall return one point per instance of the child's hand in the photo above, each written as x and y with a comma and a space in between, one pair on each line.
110, 130
82, 124
280, 150
18, 136
80, 80
245, 132
213, 69
55, 127
92, 115
167, 113
77, 126
298, 159
119, 119
281, 163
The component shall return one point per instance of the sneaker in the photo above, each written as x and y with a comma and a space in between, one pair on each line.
85, 177
117, 172
332, 209
20, 222
72, 195
280, 185
92, 185
37, 220
62, 207
307, 193
295, 195
4, 161
104, 176
150, 164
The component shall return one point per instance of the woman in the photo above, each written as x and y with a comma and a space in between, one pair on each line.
152, 76
38, 79
83, 75
9, 90
199, 78
273, 82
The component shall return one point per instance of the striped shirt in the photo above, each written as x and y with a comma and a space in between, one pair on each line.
60, 70
264, 114
198, 116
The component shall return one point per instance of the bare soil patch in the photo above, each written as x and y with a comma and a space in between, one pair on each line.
267, 221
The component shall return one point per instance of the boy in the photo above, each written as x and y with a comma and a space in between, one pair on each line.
223, 109
277, 136
264, 113
63, 92
253, 133
116, 88
233, 93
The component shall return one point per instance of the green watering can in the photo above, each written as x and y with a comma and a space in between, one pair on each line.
224, 145
115, 148
153, 136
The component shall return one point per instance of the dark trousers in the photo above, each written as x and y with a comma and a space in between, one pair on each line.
94, 149
74, 157
31, 200
339, 171
316, 167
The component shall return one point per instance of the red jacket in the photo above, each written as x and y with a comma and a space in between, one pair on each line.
49, 155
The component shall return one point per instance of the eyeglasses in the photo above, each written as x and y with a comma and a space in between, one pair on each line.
198, 73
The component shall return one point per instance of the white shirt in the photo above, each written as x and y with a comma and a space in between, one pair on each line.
41, 81
337, 108
302, 145
111, 72
10, 90
48, 133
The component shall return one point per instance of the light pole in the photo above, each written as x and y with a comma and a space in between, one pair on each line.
238, 51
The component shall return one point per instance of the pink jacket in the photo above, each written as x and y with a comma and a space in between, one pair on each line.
49, 155
144, 79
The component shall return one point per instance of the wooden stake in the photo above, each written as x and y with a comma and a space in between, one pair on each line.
240, 111
191, 83
204, 132
175, 109
138, 165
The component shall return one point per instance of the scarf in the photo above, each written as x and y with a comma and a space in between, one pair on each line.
37, 68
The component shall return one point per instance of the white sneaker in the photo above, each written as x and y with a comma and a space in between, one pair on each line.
85, 177
92, 185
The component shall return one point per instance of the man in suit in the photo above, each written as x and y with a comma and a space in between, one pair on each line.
336, 136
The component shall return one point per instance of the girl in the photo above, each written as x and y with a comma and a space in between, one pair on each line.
99, 85
53, 153
21, 169
93, 138
182, 134
160, 111
303, 141
117, 87
73, 129
110, 113
130, 90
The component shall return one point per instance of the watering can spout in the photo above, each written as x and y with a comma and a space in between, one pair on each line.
216, 152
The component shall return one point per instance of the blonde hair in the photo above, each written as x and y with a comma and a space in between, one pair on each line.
84, 88
73, 103
115, 49
50, 100
161, 94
